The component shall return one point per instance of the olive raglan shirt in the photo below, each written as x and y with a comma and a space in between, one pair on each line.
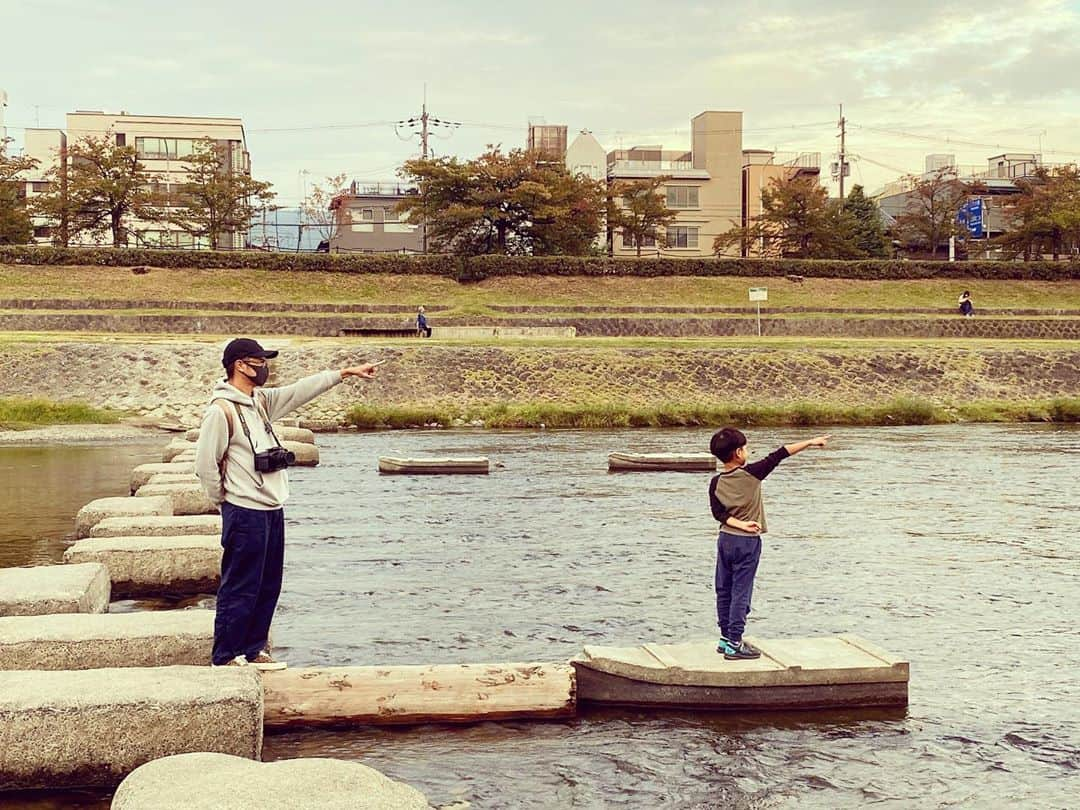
737, 493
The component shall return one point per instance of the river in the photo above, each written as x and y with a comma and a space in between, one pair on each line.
954, 546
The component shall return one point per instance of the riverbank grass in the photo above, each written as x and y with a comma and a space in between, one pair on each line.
17, 413
900, 411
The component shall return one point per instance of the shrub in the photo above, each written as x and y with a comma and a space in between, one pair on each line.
477, 268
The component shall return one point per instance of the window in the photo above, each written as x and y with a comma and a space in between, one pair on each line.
390, 215
679, 236
682, 197
647, 241
42, 232
367, 214
38, 186
164, 148
121, 139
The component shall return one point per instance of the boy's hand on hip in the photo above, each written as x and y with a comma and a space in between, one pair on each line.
751, 526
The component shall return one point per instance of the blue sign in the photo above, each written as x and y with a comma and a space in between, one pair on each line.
970, 216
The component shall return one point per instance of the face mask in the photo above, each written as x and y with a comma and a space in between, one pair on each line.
261, 375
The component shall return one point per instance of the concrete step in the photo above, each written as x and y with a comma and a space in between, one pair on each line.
47, 589
150, 565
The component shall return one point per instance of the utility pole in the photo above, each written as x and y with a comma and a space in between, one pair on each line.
423, 125
843, 163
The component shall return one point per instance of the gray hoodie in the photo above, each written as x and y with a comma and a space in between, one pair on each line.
242, 485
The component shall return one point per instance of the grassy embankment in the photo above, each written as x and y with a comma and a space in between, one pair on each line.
454, 298
22, 414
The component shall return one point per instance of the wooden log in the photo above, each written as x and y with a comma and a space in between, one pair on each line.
394, 695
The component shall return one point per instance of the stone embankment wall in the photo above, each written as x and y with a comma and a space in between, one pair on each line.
332, 325
172, 380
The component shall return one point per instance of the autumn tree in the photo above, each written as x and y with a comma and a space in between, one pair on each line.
517, 203
1044, 218
216, 200
316, 207
929, 216
16, 227
96, 191
638, 210
797, 220
867, 229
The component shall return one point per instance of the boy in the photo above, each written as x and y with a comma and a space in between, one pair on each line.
735, 500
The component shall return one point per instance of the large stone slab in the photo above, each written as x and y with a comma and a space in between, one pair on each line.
172, 478
186, 498
141, 474
154, 565
307, 455
158, 526
94, 641
661, 462
186, 457
54, 589
93, 727
220, 782
283, 432
97, 510
175, 448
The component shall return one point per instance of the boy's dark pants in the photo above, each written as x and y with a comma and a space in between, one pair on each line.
736, 564
251, 565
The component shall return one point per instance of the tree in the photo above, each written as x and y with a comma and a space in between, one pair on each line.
95, 190
515, 203
868, 231
929, 217
797, 220
16, 227
1045, 216
216, 199
316, 208
639, 210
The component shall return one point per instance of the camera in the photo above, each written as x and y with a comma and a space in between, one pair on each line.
274, 459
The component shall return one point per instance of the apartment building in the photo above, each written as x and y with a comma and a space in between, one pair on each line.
162, 142
367, 221
586, 156
704, 185
762, 168
548, 139
45, 146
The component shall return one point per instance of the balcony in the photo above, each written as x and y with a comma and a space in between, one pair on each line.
655, 168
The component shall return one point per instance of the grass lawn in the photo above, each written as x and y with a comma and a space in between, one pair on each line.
438, 292
17, 413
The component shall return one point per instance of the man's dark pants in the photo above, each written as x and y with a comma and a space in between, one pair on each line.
251, 565
737, 559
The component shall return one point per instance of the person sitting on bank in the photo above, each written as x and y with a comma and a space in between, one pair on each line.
735, 501
421, 323
241, 466
967, 308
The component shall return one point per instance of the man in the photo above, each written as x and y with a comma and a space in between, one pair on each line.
236, 428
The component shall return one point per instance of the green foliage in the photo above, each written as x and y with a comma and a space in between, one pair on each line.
1045, 216
476, 268
16, 227
216, 200
638, 210
867, 229
19, 413
600, 415
517, 203
929, 216
96, 190
319, 207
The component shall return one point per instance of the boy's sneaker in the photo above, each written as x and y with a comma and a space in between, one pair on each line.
264, 663
742, 652
239, 661
725, 647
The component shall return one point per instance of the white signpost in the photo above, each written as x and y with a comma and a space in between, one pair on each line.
759, 294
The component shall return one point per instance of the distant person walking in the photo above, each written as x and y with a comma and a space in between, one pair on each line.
967, 309
735, 501
421, 323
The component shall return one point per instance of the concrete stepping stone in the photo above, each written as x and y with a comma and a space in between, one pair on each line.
157, 526
219, 782
661, 462
141, 474
187, 457
124, 506
97, 640
54, 589
154, 565
186, 498
172, 478
471, 465
307, 455
175, 448
90, 728
284, 433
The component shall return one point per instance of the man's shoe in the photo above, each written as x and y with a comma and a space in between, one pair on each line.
264, 663
725, 647
742, 652
239, 661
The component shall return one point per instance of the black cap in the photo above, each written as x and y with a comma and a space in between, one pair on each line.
240, 348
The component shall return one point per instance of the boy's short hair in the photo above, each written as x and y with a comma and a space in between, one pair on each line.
725, 442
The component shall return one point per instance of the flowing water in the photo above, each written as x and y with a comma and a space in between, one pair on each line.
953, 546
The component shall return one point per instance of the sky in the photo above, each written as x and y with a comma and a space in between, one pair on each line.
318, 89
